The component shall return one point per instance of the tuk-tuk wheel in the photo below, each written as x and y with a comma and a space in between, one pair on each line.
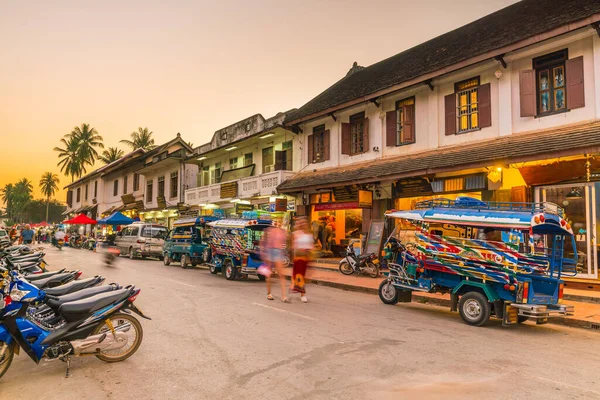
388, 292
167, 260
474, 308
230, 270
261, 277
213, 269
184, 261
206, 256
522, 318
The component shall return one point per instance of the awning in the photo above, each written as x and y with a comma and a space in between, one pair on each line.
539, 145
336, 206
81, 219
238, 173
115, 218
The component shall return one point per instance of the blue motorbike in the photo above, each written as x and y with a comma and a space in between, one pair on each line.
102, 325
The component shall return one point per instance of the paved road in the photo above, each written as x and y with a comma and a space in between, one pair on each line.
215, 339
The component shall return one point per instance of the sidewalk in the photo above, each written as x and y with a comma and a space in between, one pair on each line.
587, 303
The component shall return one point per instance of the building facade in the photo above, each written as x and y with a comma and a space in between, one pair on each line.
509, 115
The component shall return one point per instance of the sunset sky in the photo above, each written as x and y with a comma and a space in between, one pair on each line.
185, 66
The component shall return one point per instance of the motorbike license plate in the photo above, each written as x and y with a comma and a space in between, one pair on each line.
375, 261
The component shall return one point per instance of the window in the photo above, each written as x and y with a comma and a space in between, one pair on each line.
174, 183
149, 191
85, 196
125, 184
136, 182
215, 176
133, 231
205, 177
95, 189
248, 159
405, 121
154, 232
268, 160
233, 163
78, 198
467, 107
357, 133
287, 159
551, 82
116, 187
318, 146
161, 186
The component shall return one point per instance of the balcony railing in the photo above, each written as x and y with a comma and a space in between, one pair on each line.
261, 185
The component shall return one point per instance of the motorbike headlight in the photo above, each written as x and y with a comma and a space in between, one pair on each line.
17, 294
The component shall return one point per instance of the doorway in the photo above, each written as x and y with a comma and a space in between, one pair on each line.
579, 203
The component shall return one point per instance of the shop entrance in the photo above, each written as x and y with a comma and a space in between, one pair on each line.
579, 203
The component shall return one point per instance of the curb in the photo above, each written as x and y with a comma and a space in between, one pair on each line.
419, 298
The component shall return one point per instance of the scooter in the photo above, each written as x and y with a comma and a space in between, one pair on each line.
101, 325
367, 263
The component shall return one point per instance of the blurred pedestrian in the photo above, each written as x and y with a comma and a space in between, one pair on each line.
27, 235
272, 251
302, 245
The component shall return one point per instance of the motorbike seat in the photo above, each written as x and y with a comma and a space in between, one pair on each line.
363, 256
94, 303
56, 302
73, 286
26, 265
40, 283
44, 275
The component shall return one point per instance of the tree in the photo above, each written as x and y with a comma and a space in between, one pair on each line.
140, 139
69, 163
36, 210
111, 154
22, 195
88, 140
49, 186
8, 192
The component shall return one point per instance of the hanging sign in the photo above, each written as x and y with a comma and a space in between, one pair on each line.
229, 190
241, 207
365, 199
336, 206
412, 187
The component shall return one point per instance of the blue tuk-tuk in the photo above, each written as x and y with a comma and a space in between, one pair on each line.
235, 247
187, 242
494, 259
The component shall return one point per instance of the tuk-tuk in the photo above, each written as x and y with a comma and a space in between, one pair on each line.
187, 243
235, 247
494, 259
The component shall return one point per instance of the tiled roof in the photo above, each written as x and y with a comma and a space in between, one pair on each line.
561, 141
520, 21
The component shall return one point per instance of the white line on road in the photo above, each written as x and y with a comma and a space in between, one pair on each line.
285, 311
181, 283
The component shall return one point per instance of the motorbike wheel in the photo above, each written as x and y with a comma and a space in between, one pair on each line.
373, 270
6, 359
388, 292
123, 353
166, 260
345, 268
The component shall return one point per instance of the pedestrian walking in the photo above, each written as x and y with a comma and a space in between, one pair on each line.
272, 247
302, 245
27, 235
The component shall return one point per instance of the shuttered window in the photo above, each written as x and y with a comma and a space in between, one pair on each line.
174, 183
125, 184
357, 133
78, 195
161, 186
469, 108
318, 145
550, 78
116, 187
400, 128
149, 191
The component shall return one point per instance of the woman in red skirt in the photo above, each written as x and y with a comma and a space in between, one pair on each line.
302, 245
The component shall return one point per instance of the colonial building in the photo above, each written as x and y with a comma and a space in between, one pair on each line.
506, 108
242, 165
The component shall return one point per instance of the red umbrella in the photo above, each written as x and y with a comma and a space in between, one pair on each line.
81, 219
44, 224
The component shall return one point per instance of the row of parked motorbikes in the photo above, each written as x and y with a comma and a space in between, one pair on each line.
56, 315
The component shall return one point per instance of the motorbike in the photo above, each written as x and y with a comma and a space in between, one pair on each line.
101, 325
367, 263
54, 280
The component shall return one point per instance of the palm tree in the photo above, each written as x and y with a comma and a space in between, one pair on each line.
22, 196
140, 139
49, 186
8, 192
88, 140
70, 163
111, 154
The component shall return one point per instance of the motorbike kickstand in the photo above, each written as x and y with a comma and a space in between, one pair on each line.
67, 359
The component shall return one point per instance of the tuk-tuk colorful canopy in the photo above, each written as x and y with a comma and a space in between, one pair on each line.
81, 219
115, 218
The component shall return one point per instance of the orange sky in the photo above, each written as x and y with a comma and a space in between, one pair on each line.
185, 66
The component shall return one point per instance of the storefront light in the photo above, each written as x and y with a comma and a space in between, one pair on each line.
231, 148
235, 201
201, 158
574, 194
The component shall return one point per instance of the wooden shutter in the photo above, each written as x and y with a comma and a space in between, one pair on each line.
70, 198
408, 125
311, 148
450, 111
279, 160
346, 138
326, 146
391, 128
484, 105
575, 87
527, 93
366, 135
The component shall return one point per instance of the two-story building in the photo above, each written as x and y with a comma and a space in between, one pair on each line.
241, 167
506, 108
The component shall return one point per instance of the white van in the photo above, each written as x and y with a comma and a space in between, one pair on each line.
142, 239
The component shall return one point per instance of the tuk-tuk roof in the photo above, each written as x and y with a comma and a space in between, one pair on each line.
236, 223
194, 221
542, 218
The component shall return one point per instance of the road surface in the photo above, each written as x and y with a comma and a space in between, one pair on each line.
215, 339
